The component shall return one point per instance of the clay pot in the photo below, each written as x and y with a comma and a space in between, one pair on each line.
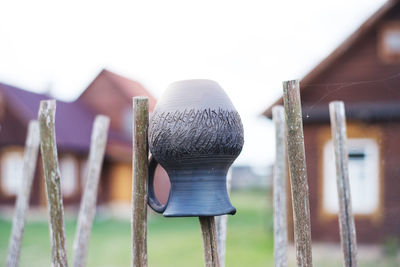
195, 134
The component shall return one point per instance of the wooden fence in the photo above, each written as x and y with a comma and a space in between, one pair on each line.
289, 148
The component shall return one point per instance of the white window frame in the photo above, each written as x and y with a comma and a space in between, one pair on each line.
388, 49
11, 177
69, 181
359, 188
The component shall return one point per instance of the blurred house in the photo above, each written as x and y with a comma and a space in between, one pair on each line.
245, 177
109, 94
364, 72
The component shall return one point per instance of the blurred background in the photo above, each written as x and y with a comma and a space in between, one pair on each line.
94, 56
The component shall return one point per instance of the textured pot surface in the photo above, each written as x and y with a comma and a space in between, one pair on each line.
195, 133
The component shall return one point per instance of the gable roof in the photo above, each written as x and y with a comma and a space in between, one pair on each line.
341, 49
127, 87
73, 120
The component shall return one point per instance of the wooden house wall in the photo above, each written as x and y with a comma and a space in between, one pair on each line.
368, 229
120, 190
391, 164
38, 194
12, 131
12, 138
360, 76
374, 228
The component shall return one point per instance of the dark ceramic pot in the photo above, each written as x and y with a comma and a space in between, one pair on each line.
195, 134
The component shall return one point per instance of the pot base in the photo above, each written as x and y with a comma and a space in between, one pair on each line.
196, 196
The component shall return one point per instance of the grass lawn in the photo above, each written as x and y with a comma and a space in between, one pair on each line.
171, 241
177, 241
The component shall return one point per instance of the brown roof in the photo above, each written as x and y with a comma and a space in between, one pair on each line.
74, 120
111, 94
342, 49
69, 116
129, 88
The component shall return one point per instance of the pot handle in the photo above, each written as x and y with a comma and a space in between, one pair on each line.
152, 200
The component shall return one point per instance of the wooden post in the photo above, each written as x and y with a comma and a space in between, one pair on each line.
88, 202
279, 193
221, 225
22, 204
139, 181
298, 173
346, 219
208, 230
48, 148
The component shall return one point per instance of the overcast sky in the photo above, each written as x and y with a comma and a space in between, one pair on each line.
249, 47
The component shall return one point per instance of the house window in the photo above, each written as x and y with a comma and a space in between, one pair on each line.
389, 43
363, 156
69, 175
11, 172
392, 41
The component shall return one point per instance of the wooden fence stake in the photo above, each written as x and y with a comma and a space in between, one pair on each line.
139, 181
279, 193
22, 204
208, 230
88, 202
346, 219
298, 173
48, 148
221, 225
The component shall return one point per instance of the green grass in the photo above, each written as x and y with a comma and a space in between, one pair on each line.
171, 241
177, 241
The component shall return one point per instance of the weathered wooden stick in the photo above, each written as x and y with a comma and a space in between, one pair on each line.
221, 225
139, 183
22, 204
208, 231
279, 193
346, 219
48, 148
88, 202
298, 173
